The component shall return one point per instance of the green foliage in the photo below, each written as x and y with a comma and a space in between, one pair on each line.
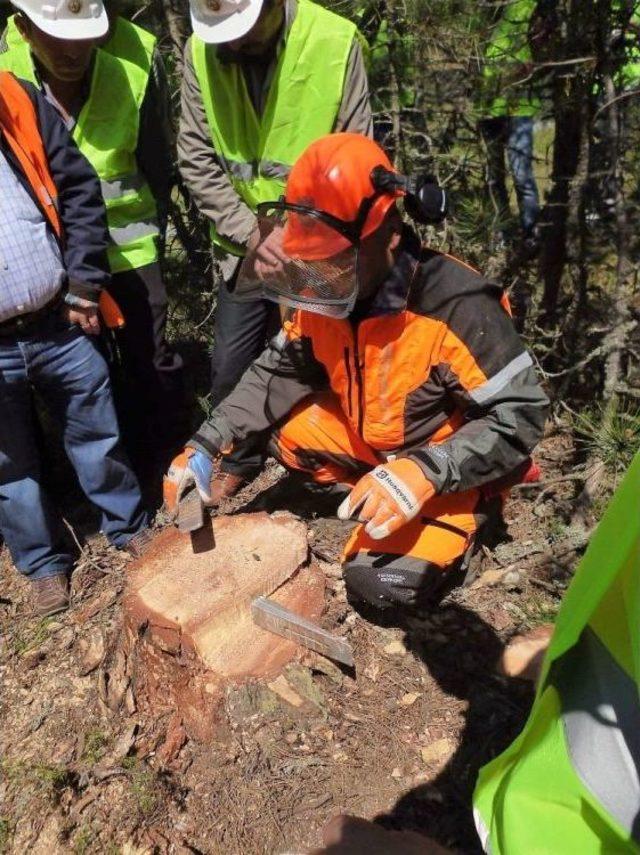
612, 434
82, 840
54, 778
539, 610
28, 638
5, 833
49, 778
144, 785
556, 529
94, 746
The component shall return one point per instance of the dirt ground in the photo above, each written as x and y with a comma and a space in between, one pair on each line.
401, 739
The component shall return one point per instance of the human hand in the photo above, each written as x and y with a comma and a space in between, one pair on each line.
387, 497
268, 255
190, 468
85, 316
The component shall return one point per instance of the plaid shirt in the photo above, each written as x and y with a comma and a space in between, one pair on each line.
31, 266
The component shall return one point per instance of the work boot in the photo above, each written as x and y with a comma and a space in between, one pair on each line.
139, 543
51, 594
225, 485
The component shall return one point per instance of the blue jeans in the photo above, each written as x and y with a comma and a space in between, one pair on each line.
515, 135
64, 367
240, 336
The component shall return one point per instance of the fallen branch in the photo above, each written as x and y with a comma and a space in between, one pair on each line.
538, 555
85, 554
630, 392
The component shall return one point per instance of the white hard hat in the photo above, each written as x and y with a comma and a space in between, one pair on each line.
217, 21
67, 19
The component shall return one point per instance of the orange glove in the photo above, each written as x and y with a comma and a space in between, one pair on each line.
387, 497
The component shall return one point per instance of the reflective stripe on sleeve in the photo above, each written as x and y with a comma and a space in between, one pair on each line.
601, 719
495, 384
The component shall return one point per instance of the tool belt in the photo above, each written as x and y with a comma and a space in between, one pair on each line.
23, 324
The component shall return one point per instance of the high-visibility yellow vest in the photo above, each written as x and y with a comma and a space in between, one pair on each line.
12, 34
507, 52
570, 783
131, 42
106, 132
302, 105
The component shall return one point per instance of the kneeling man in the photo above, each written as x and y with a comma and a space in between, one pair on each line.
399, 375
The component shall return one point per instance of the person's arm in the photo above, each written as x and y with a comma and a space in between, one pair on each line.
154, 152
355, 115
281, 377
80, 205
489, 374
200, 166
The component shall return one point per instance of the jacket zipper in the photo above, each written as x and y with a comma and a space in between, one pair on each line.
356, 359
347, 362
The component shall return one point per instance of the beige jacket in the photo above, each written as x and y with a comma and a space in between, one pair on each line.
198, 160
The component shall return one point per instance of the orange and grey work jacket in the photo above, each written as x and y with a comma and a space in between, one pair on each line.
431, 368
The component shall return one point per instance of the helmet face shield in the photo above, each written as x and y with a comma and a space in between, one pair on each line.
305, 260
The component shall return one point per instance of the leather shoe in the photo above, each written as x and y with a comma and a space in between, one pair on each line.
51, 594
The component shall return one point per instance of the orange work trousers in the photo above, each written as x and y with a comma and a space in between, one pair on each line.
411, 567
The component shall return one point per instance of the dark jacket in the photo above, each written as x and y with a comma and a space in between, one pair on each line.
81, 208
431, 368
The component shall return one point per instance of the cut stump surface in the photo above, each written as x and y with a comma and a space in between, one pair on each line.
188, 615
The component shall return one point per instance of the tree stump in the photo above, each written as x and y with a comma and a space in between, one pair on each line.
188, 627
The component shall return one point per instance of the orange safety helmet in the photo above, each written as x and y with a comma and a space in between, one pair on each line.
337, 203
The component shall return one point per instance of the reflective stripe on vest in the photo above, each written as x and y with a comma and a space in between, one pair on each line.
602, 727
106, 132
246, 172
483, 831
257, 152
125, 235
122, 186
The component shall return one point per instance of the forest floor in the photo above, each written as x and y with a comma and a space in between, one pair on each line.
401, 739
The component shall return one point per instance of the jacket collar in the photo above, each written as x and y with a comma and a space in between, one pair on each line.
392, 296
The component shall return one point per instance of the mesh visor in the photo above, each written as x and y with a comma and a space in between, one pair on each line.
300, 262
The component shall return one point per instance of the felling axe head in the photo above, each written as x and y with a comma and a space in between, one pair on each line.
190, 512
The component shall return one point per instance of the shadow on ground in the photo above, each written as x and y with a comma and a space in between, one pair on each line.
462, 659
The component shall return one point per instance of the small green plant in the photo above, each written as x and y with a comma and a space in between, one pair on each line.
83, 840
53, 777
26, 641
144, 790
5, 833
538, 611
50, 780
94, 746
556, 528
611, 433
143, 785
